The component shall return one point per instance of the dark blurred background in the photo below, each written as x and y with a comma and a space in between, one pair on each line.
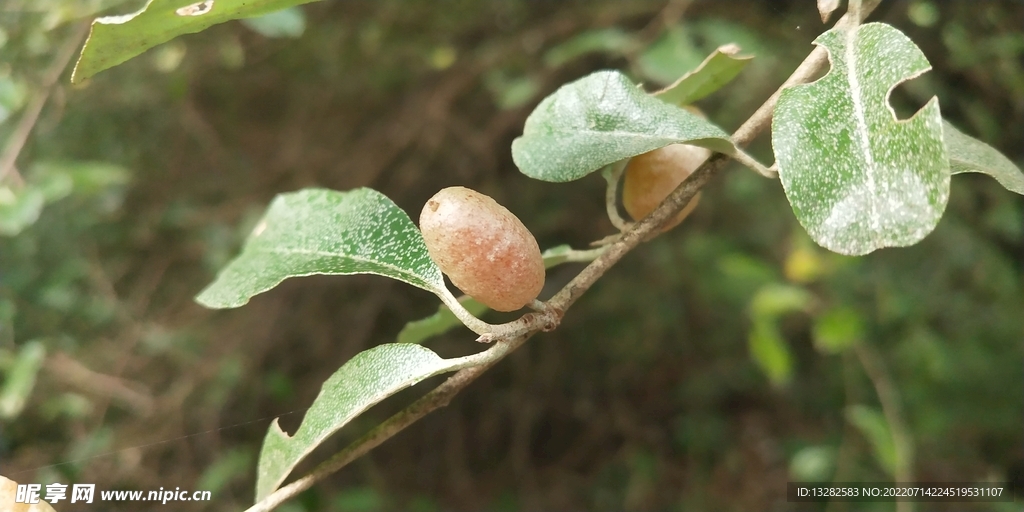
710, 367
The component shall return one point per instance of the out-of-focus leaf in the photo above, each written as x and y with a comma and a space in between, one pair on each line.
511, 92
613, 41
86, 177
718, 69
115, 39
838, 329
166, 58
368, 378
872, 425
857, 178
746, 269
7, 311
290, 22
813, 464
228, 467
12, 95
770, 352
601, 119
774, 300
671, 56
804, 265
21, 378
358, 499
19, 209
923, 13
320, 231
967, 154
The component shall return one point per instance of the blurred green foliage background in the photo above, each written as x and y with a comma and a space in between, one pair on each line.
709, 368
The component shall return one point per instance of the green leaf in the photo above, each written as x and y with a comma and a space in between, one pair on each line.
511, 91
812, 464
368, 378
290, 22
774, 300
320, 231
670, 56
718, 69
872, 425
228, 467
600, 119
20, 379
857, 178
770, 351
837, 330
13, 93
612, 41
21, 209
967, 154
360, 499
564, 253
115, 39
439, 323
83, 177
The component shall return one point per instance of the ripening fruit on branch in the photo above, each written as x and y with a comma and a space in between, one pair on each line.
651, 177
483, 248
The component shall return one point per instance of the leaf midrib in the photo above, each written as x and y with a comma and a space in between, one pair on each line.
398, 270
862, 127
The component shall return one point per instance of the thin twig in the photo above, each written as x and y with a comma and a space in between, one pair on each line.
888, 397
72, 372
35, 107
566, 297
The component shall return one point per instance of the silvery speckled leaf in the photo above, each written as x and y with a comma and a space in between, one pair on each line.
115, 39
600, 119
367, 378
857, 178
320, 231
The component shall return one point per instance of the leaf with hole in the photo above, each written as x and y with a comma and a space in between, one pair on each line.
717, 70
600, 119
115, 39
967, 154
857, 178
368, 378
320, 231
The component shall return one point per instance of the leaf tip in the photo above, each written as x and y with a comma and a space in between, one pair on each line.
211, 298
